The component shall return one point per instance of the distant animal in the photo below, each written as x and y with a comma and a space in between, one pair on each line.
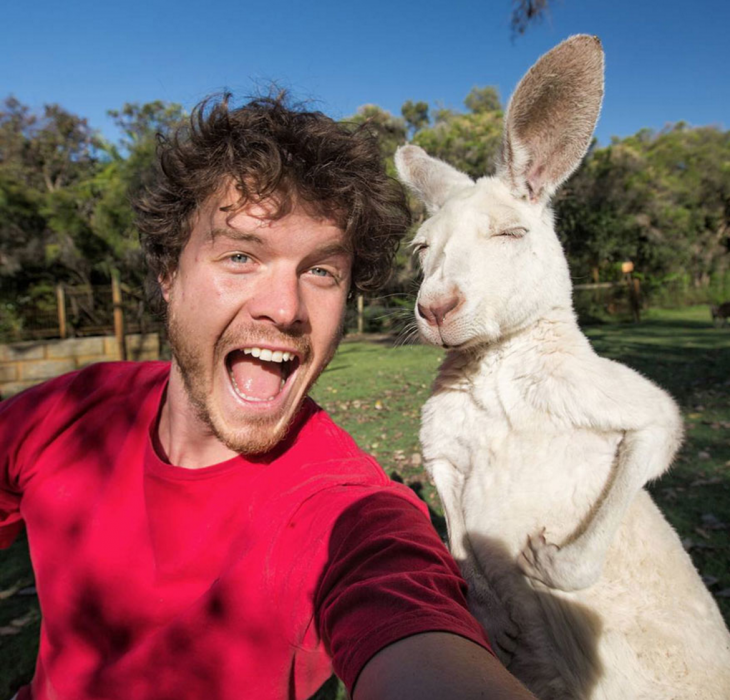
720, 313
539, 448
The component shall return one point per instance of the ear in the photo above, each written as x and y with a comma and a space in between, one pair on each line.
551, 117
432, 180
165, 282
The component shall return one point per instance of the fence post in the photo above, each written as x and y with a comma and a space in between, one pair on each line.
61, 303
636, 298
118, 315
360, 308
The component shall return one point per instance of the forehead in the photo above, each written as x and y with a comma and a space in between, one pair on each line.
489, 203
222, 215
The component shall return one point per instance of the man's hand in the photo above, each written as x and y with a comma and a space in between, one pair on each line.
436, 666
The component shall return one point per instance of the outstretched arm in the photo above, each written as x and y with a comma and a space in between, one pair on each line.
436, 666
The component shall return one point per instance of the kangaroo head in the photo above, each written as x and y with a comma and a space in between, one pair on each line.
492, 263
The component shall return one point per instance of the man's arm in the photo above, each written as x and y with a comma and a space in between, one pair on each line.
437, 666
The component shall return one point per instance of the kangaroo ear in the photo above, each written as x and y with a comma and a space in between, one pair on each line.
432, 180
551, 117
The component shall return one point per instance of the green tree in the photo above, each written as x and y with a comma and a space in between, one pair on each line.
483, 99
415, 115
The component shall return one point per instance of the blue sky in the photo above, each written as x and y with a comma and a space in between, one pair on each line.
665, 61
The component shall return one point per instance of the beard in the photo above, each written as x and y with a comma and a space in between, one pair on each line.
262, 432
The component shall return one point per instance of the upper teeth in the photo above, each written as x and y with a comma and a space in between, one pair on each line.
269, 355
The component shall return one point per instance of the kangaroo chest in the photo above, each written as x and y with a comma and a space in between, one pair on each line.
522, 468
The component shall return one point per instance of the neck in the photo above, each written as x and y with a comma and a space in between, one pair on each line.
183, 438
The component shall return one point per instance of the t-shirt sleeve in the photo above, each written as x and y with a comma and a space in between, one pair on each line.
20, 418
388, 577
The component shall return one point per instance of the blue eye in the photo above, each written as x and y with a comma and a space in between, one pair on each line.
239, 258
319, 272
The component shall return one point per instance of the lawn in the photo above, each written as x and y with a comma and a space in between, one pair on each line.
375, 391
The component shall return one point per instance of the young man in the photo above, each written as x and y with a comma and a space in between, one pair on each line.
202, 529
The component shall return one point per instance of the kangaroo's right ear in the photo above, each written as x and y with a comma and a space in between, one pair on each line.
432, 180
551, 117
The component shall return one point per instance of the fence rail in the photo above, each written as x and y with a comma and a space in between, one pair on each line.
84, 310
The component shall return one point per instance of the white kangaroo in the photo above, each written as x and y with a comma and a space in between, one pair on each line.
538, 447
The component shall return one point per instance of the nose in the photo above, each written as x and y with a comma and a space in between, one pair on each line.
279, 301
435, 312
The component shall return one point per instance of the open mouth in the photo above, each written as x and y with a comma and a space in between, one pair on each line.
260, 374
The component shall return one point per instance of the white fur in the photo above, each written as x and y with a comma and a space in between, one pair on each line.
538, 447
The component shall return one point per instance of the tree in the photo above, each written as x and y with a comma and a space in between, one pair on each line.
483, 99
415, 115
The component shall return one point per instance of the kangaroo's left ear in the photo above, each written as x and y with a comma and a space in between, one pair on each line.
432, 180
551, 117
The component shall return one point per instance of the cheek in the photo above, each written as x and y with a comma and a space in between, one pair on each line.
326, 314
203, 301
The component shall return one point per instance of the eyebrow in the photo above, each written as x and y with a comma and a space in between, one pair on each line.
332, 250
235, 234
326, 251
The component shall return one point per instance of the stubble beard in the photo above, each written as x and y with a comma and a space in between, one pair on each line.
261, 434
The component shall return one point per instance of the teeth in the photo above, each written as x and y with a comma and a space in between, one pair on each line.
269, 355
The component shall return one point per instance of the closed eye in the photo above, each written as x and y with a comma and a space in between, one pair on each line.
419, 249
517, 232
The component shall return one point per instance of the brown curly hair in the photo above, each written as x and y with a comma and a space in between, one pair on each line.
281, 154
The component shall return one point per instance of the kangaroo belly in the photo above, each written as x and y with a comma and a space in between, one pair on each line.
522, 481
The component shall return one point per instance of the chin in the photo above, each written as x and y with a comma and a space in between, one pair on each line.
252, 439
251, 428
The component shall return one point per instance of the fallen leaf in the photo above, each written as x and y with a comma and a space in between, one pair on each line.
9, 592
702, 533
724, 593
416, 459
712, 522
707, 482
704, 455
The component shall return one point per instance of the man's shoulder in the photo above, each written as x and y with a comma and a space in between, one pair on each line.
75, 392
327, 466
334, 450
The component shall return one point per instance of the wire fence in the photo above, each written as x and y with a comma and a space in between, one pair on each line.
79, 311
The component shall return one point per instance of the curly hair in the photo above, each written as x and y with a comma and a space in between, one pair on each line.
283, 155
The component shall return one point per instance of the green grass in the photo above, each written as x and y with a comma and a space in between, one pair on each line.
375, 392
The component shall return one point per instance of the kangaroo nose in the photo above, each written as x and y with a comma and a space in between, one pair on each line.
435, 313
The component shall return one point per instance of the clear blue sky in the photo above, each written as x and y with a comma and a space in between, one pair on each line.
666, 61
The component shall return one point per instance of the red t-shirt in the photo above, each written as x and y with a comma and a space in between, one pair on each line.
250, 578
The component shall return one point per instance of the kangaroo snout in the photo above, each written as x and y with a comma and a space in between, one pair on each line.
435, 312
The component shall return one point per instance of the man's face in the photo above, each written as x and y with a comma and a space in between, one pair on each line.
255, 313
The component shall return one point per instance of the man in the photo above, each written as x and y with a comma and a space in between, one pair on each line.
202, 529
